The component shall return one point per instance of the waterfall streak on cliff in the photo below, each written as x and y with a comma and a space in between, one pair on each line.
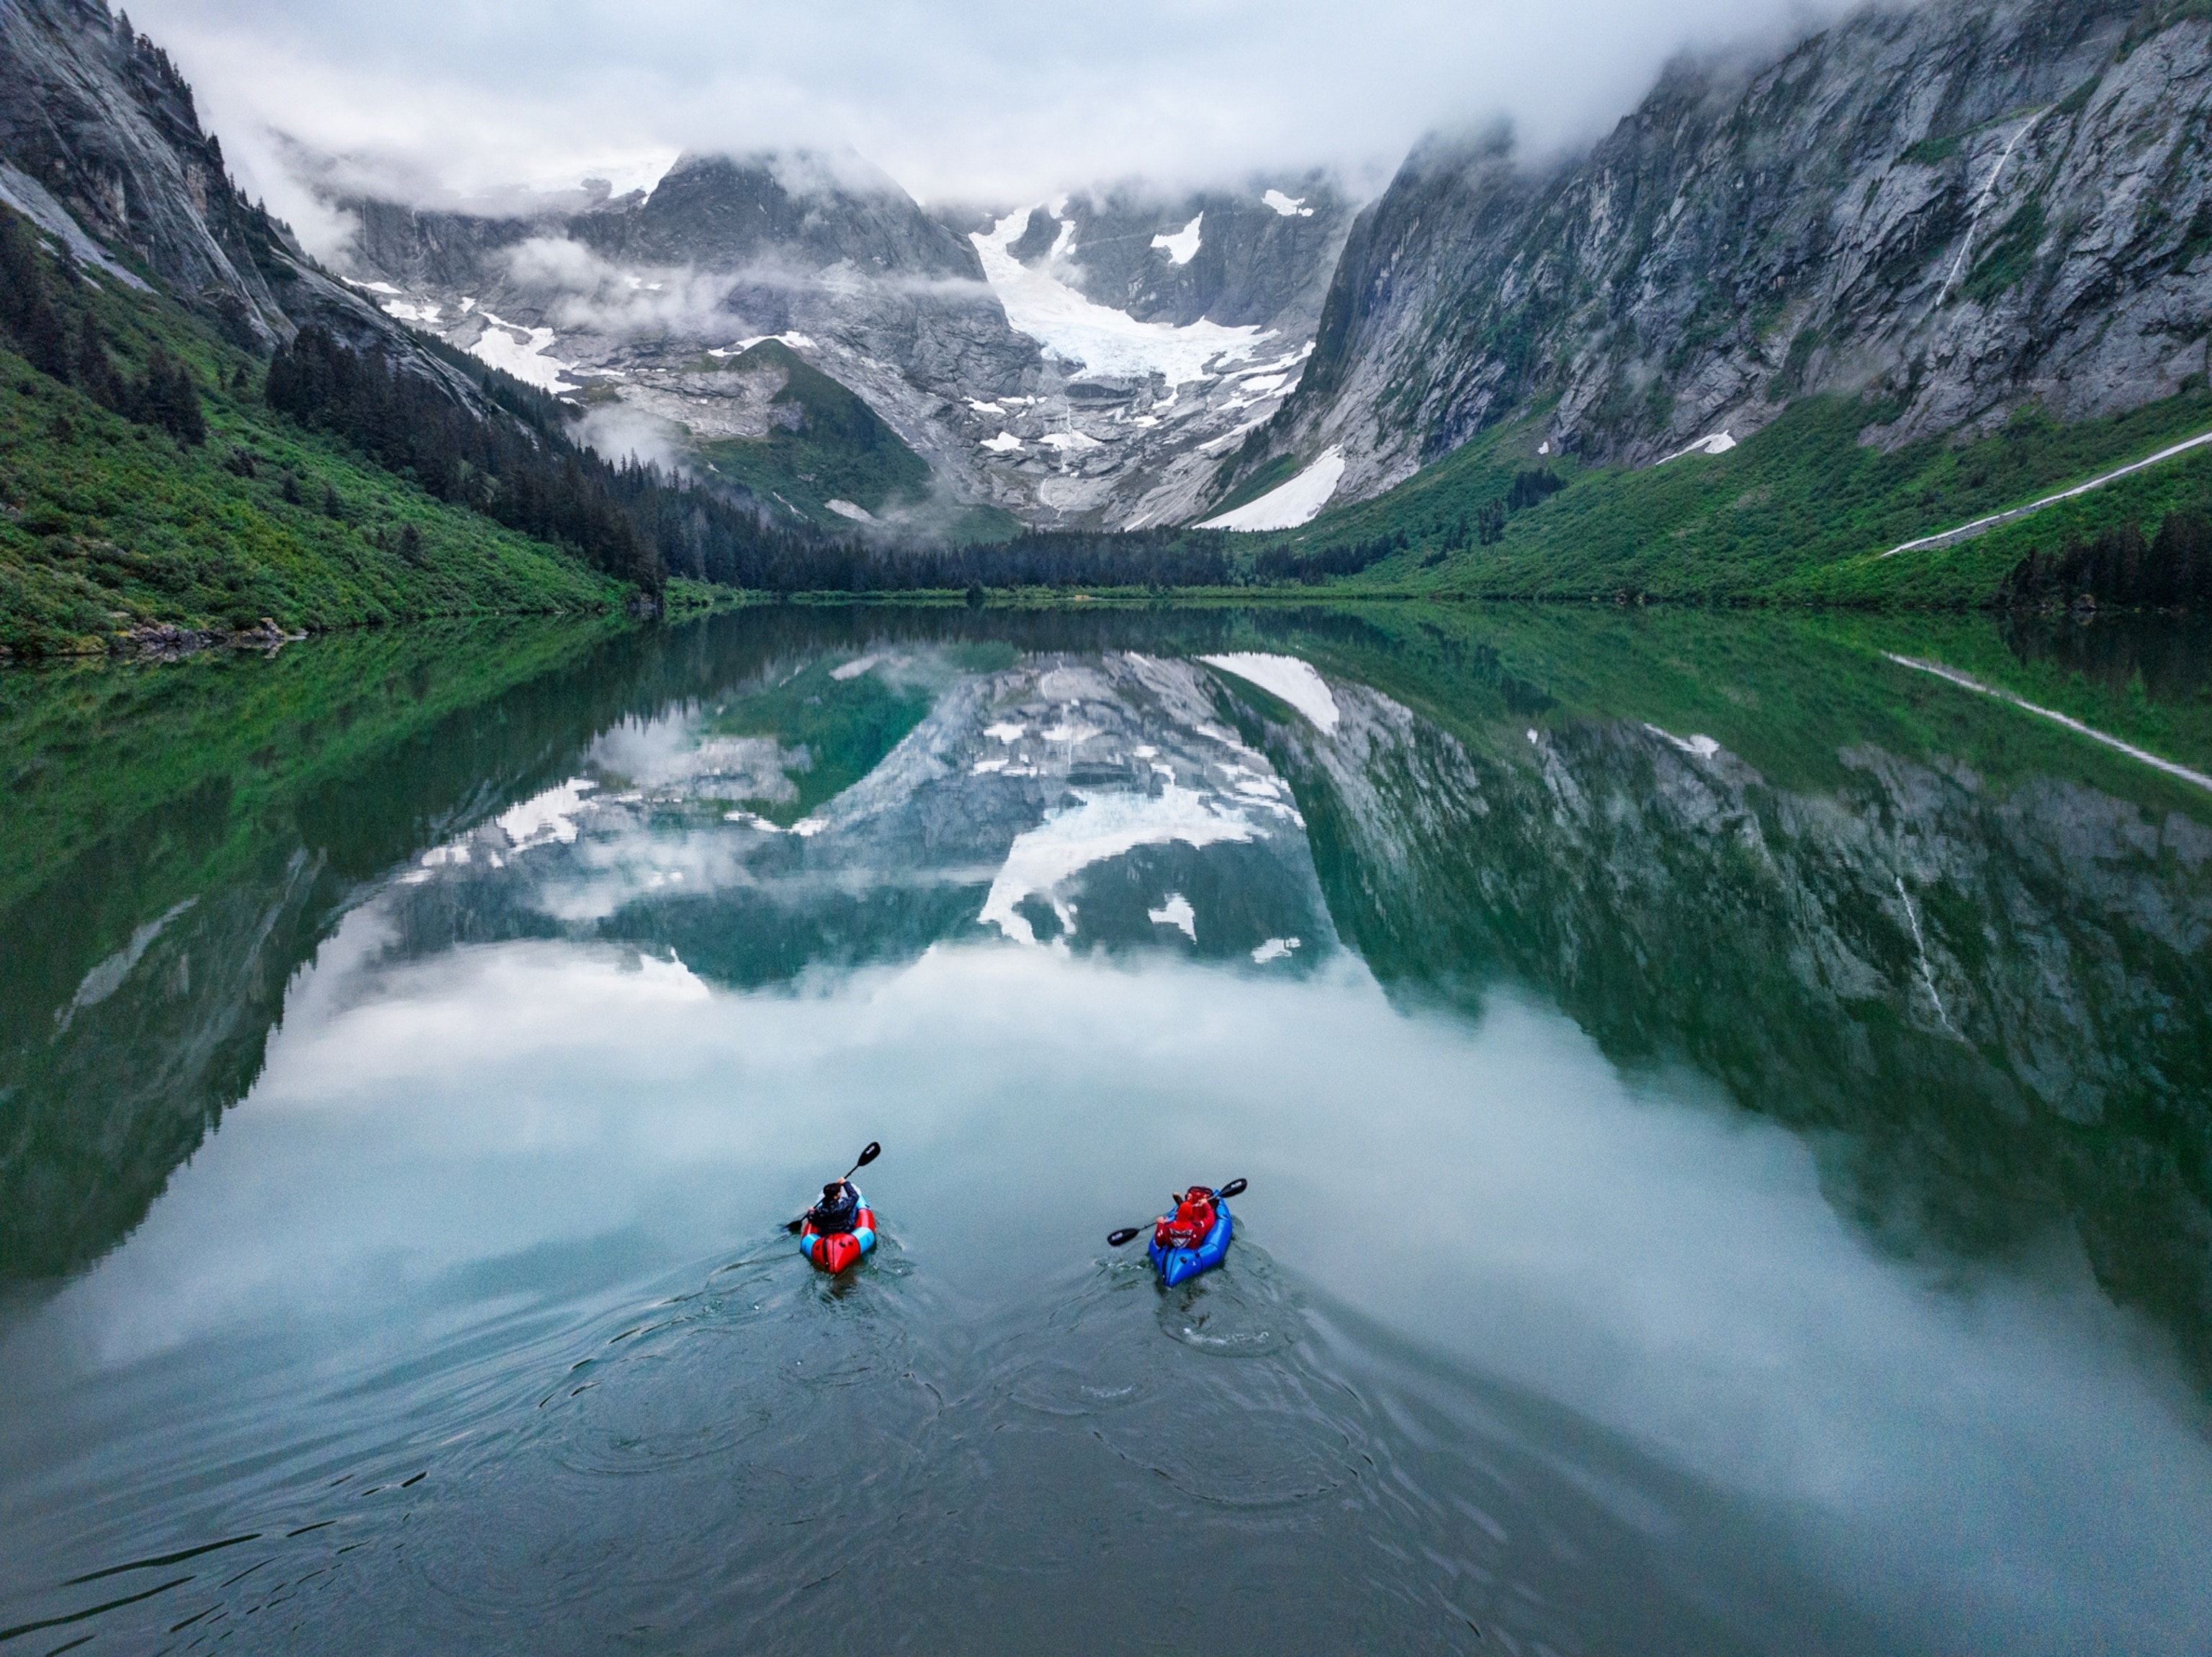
1927, 972
1981, 205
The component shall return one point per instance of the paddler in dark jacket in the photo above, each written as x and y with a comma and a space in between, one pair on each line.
837, 1210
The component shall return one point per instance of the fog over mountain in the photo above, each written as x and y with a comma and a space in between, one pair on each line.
988, 101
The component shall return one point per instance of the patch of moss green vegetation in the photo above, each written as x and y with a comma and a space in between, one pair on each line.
106, 524
980, 526
831, 731
685, 598
824, 444
1969, 572
2010, 256
1797, 512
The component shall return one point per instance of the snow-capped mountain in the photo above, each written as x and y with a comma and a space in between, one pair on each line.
1088, 361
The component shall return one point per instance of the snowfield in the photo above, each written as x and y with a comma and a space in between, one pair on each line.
1719, 443
1288, 206
1096, 338
1294, 681
1289, 505
525, 358
548, 817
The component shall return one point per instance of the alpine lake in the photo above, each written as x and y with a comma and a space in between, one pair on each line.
1727, 1098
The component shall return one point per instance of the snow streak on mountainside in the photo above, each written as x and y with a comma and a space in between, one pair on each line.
1067, 382
1961, 207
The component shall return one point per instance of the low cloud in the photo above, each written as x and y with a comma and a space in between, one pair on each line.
621, 431
578, 289
989, 100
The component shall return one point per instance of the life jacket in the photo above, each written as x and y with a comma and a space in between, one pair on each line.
1188, 1226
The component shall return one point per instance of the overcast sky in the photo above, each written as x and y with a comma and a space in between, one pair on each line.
997, 100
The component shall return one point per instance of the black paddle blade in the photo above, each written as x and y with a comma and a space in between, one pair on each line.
793, 1226
869, 1155
1234, 1188
1116, 1239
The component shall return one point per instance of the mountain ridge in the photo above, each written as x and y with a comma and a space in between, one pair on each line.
1956, 208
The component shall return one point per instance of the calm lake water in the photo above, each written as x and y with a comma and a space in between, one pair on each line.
1728, 1114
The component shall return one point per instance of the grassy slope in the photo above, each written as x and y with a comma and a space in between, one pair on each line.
104, 524
840, 449
1796, 513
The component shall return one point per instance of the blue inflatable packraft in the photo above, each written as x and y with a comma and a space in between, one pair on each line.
1180, 1265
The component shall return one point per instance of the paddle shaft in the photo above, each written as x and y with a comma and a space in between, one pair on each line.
1234, 1188
870, 1155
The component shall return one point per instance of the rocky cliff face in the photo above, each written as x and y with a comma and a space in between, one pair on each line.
1958, 207
625, 295
1262, 256
99, 143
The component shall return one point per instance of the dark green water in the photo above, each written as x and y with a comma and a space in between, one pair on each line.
1728, 1113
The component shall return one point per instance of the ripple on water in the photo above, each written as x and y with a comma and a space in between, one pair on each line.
728, 1433
1099, 1358
746, 1355
1243, 1309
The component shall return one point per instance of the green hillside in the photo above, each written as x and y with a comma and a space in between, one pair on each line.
826, 444
1798, 512
109, 523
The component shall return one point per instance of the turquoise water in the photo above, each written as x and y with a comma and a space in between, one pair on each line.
1727, 1118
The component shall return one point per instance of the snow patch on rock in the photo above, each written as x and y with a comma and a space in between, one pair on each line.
1176, 912
526, 358
1294, 681
1103, 826
549, 816
1183, 245
1297, 501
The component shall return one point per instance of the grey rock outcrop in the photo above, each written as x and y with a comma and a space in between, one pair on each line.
1958, 207
631, 290
1263, 255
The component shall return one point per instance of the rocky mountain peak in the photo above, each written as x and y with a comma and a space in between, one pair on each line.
801, 208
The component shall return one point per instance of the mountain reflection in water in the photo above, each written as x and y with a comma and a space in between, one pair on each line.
1729, 1123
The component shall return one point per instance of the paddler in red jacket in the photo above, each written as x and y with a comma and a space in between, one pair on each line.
1186, 1228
